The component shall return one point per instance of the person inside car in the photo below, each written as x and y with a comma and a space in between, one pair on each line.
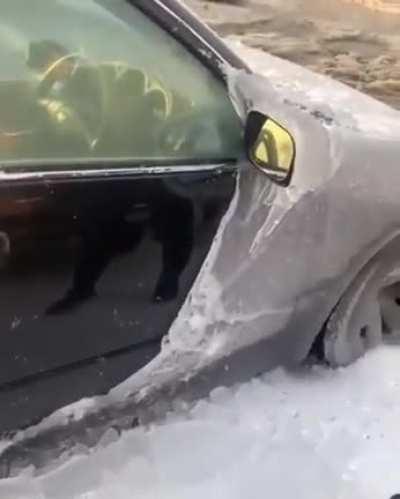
69, 90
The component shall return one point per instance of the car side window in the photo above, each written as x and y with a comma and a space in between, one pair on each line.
97, 79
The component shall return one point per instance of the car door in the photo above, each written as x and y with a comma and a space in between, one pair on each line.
118, 151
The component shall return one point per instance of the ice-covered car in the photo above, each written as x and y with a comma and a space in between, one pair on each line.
171, 219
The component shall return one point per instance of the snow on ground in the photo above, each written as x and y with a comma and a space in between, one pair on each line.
311, 434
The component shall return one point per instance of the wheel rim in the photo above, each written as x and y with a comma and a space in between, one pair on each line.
368, 312
356, 325
351, 339
389, 300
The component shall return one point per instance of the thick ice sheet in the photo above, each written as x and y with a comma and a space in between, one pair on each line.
313, 434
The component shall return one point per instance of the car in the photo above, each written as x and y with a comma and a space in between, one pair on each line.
171, 221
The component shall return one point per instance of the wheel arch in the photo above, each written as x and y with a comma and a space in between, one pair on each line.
385, 245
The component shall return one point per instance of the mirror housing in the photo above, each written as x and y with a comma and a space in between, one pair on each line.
270, 147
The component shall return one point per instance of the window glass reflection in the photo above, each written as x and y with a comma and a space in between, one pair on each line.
99, 80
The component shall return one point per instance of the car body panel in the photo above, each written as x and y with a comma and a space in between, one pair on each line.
97, 256
120, 246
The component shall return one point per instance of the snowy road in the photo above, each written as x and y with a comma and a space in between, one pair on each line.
313, 434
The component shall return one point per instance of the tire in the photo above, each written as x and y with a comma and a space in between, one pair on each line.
367, 312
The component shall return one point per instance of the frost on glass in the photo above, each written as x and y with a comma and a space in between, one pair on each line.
106, 82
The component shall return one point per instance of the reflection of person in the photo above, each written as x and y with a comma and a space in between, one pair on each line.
69, 88
49, 57
173, 224
105, 235
116, 109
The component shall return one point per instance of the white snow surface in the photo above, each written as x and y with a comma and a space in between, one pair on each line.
311, 434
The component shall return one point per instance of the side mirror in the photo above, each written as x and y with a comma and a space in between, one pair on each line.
270, 147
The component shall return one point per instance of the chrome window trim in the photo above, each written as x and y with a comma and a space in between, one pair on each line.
187, 26
140, 171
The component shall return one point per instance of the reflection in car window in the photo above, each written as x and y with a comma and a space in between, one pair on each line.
87, 79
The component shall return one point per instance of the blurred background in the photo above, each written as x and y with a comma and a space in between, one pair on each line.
355, 41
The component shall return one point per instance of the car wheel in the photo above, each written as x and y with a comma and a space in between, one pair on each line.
369, 310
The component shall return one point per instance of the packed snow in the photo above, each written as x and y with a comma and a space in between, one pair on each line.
311, 434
